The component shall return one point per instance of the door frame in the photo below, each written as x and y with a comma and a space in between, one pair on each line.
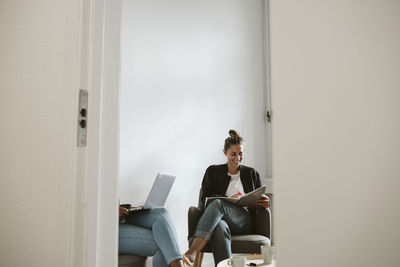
101, 225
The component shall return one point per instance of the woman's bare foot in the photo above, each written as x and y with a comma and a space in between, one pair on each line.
188, 258
177, 263
190, 255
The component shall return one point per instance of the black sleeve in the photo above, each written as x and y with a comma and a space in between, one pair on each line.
257, 179
257, 184
210, 184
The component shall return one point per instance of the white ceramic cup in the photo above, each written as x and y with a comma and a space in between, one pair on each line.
266, 252
237, 261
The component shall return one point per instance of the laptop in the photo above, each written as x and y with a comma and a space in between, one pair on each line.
159, 192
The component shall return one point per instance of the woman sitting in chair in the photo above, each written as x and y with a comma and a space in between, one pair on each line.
149, 233
221, 218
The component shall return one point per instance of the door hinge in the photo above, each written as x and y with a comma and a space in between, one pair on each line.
268, 116
82, 117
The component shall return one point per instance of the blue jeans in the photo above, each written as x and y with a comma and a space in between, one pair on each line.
150, 233
218, 222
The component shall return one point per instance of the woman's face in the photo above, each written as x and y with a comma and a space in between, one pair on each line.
234, 155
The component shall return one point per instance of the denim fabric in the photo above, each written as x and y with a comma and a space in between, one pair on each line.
150, 233
218, 222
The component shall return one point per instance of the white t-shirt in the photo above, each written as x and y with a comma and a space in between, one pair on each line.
235, 185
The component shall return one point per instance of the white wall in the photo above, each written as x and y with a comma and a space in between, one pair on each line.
336, 146
191, 70
38, 111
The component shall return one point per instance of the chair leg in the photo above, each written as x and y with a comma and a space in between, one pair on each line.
198, 260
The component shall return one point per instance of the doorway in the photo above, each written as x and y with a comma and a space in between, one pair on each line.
191, 74
190, 71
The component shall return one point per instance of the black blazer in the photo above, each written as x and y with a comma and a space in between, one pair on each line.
216, 180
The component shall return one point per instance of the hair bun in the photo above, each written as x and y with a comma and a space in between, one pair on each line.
233, 133
233, 139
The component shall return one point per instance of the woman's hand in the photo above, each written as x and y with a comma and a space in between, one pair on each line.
262, 202
123, 212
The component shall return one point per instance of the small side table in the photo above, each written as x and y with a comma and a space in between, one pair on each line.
256, 258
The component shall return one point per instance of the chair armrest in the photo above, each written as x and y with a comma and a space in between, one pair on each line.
262, 220
194, 215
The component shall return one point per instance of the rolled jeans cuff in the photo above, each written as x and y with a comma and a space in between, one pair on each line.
202, 234
172, 259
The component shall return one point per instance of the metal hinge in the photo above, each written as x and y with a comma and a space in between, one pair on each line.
82, 118
268, 116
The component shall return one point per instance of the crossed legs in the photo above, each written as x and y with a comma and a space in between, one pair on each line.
151, 233
215, 226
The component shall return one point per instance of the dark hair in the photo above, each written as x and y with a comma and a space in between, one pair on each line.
233, 139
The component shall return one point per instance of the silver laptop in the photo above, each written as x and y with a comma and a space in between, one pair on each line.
159, 192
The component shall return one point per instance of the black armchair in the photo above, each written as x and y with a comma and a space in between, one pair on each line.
131, 261
240, 243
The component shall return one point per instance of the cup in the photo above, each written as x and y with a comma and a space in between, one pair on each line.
237, 261
267, 252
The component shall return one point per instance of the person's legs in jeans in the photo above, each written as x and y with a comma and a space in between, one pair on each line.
220, 242
164, 234
139, 241
237, 218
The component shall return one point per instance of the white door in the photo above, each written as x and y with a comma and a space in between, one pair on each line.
56, 206
39, 172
